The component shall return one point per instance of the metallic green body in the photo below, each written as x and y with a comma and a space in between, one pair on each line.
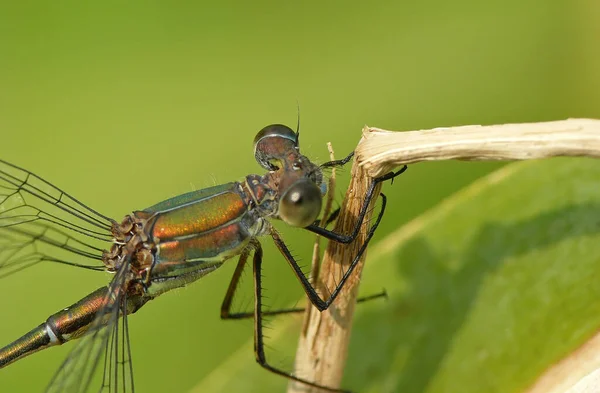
196, 232
167, 245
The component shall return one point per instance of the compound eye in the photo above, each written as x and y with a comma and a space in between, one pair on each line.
272, 144
300, 204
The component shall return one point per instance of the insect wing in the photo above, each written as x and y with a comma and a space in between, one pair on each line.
41, 223
105, 343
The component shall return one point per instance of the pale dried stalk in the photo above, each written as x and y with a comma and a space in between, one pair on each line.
316, 256
576, 373
380, 151
323, 346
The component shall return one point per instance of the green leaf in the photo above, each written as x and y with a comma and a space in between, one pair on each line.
486, 290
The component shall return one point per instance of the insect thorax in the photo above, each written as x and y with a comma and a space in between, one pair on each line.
131, 243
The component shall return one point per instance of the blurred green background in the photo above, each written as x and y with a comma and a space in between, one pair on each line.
124, 104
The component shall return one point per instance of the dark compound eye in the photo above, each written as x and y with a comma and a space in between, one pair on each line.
300, 204
272, 144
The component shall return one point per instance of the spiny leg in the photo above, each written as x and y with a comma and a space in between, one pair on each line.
226, 312
341, 162
233, 285
259, 349
341, 238
310, 291
320, 303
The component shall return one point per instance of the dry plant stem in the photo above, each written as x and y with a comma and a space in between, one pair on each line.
380, 151
574, 373
314, 271
316, 256
323, 346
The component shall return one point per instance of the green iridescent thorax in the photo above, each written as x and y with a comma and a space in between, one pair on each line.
189, 197
196, 232
197, 212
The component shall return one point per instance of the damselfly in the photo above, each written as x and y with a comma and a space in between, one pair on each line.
155, 250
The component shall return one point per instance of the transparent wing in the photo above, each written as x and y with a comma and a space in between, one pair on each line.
26, 197
28, 244
106, 344
118, 365
41, 223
